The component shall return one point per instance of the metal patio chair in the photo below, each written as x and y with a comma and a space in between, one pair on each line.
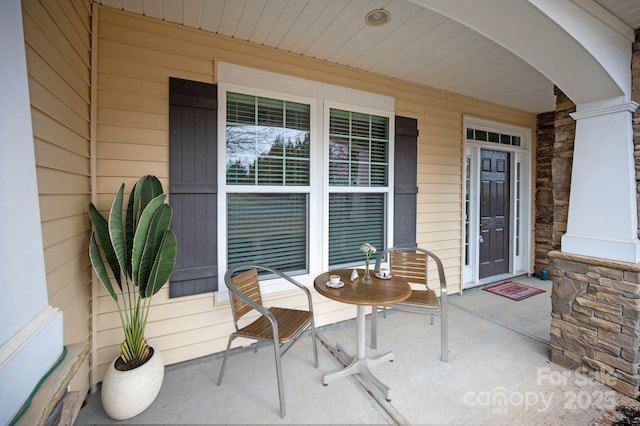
412, 263
281, 326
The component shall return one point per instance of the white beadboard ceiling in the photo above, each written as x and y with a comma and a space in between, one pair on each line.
417, 45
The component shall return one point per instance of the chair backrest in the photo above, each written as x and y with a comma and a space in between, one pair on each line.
410, 264
248, 284
415, 262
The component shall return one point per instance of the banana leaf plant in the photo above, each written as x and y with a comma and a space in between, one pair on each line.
139, 253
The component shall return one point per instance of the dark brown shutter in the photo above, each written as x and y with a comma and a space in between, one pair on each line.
405, 181
193, 185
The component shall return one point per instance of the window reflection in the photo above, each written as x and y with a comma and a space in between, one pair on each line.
267, 141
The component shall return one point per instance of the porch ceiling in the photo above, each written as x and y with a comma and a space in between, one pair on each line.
417, 45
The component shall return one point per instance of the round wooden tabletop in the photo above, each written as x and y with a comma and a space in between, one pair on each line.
380, 292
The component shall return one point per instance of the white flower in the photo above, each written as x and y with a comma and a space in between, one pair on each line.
367, 249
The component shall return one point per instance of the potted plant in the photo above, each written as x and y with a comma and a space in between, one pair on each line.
139, 253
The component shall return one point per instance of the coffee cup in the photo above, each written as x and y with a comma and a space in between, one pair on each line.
384, 272
334, 279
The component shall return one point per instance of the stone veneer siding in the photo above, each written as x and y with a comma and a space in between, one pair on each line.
544, 241
595, 319
555, 135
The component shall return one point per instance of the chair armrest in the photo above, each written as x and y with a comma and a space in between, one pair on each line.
441, 275
294, 282
260, 308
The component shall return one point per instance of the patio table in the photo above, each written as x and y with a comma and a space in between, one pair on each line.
380, 292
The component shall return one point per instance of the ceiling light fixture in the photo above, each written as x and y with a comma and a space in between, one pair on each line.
377, 17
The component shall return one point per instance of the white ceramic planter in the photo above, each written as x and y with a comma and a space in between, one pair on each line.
126, 394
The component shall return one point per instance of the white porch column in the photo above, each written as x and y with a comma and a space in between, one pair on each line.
30, 329
602, 218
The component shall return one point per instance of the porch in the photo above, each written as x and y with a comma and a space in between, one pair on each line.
499, 373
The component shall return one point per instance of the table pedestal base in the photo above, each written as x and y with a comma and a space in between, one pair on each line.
359, 363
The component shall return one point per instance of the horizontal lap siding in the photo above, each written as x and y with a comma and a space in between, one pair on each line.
137, 56
439, 203
57, 48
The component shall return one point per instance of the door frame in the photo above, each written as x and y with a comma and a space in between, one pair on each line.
520, 180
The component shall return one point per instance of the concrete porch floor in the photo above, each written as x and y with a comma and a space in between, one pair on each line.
498, 373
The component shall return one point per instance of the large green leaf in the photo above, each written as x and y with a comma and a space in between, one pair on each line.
164, 263
115, 229
136, 193
140, 237
102, 231
151, 188
160, 222
146, 189
98, 266
130, 228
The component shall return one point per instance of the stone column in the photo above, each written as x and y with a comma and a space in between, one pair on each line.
595, 319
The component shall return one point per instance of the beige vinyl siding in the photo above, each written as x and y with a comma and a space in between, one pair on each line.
136, 57
57, 47
439, 200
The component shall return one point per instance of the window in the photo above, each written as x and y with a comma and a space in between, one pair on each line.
518, 202
358, 158
355, 219
305, 173
269, 153
268, 229
267, 145
467, 208
267, 141
358, 149
495, 137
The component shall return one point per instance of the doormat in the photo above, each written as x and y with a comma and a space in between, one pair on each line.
513, 290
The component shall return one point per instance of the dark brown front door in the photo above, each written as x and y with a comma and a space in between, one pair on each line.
494, 213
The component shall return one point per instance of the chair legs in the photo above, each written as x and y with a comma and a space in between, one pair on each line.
315, 344
224, 361
443, 330
277, 353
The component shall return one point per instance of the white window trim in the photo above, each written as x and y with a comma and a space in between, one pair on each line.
236, 78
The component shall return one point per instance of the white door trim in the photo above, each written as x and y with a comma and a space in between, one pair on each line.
520, 196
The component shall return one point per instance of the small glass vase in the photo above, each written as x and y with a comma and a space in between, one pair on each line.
366, 279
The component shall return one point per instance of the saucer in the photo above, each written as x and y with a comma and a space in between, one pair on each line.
328, 284
388, 277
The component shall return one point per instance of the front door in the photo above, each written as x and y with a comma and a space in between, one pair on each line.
494, 213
